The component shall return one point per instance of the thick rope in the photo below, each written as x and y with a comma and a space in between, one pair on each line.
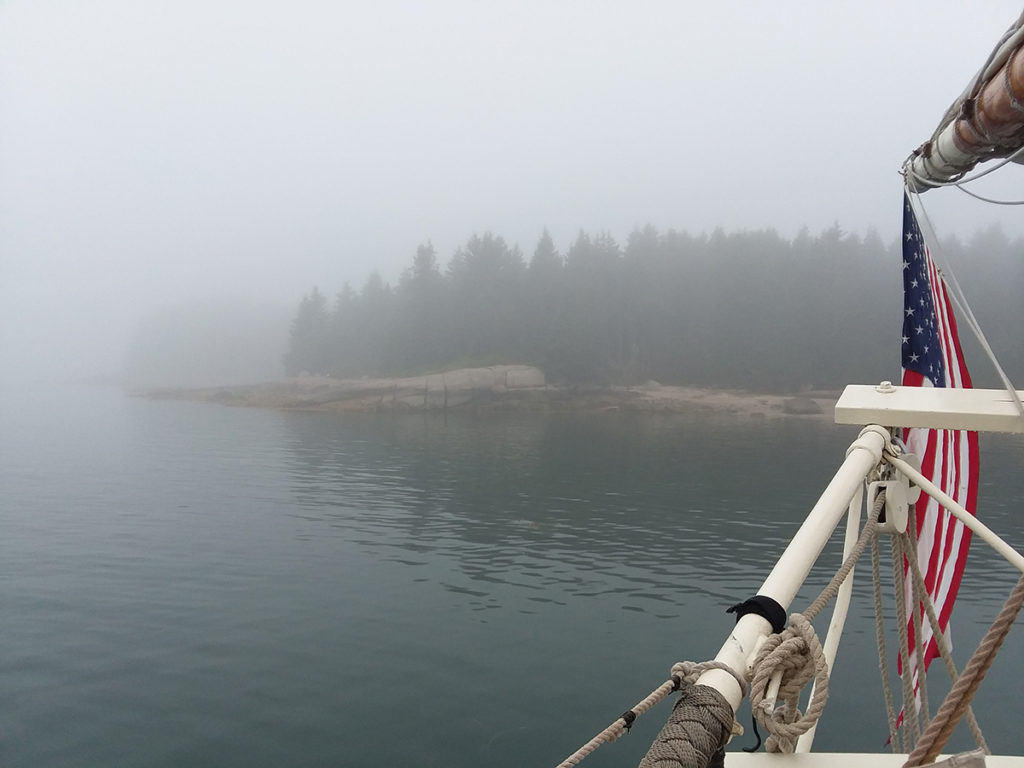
696, 732
682, 672
960, 695
796, 654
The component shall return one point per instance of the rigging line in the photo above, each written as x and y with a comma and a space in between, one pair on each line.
908, 169
965, 308
966, 191
959, 299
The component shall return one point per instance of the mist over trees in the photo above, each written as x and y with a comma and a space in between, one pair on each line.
209, 342
747, 310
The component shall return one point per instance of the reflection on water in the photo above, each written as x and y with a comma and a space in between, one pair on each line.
668, 517
607, 494
188, 583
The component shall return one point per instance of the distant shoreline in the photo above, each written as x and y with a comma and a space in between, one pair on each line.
498, 388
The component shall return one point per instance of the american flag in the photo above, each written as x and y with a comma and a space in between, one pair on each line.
949, 458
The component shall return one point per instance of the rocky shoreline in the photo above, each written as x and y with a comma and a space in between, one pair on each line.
498, 388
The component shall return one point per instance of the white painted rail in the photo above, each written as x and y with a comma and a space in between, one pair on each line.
796, 561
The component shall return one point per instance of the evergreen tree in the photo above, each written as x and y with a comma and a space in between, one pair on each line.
420, 314
344, 333
308, 344
747, 310
486, 279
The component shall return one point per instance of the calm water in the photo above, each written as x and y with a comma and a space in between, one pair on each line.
186, 584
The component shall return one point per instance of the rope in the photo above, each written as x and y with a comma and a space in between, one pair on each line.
960, 300
906, 546
908, 543
883, 654
794, 656
702, 720
696, 732
918, 594
963, 690
945, 652
984, 199
912, 729
924, 713
682, 672
832, 588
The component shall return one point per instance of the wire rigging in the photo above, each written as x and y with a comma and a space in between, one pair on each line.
960, 301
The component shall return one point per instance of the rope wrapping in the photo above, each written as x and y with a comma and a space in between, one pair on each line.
796, 655
684, 673
702, 720
696, 732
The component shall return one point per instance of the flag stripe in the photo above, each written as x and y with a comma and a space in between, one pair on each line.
932, 357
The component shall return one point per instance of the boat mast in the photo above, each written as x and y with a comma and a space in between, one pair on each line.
986, 122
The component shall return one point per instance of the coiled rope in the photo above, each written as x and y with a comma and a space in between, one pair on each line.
702, 720
794, 657
696, 733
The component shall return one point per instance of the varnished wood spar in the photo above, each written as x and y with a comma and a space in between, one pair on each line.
998, 115
985, 122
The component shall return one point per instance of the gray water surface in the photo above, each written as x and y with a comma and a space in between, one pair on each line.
183, 583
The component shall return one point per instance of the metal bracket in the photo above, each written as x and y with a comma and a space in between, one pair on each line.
899, 493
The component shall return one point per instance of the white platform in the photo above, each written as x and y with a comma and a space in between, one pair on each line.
844, 760
983, 410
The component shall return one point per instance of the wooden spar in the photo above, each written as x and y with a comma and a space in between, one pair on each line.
986, 122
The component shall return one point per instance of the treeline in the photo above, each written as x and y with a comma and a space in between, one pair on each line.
739, 310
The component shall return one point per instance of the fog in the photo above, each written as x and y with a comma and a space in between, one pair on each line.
161, 156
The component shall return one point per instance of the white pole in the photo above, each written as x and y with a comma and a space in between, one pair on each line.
981, 530
792, 567
835, 627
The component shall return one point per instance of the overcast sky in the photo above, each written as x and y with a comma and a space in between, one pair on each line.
152, 152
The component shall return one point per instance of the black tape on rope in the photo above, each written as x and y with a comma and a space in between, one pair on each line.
763, 606
629, 716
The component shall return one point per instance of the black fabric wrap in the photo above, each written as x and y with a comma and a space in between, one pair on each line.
763, 606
